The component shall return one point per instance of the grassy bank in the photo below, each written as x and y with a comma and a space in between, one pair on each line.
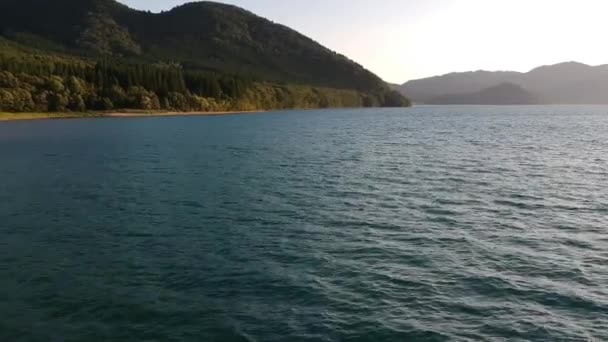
119, 114
39, 116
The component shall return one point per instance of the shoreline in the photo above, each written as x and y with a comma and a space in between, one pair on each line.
118, 114
128, 114
29, 116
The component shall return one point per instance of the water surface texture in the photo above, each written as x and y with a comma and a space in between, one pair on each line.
421, 224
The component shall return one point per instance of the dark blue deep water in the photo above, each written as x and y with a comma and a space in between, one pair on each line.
422, 224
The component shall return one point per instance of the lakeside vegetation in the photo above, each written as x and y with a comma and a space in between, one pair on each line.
43, 85
5, 116
37, 116
106, 56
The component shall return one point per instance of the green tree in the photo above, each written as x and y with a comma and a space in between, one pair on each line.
8, 80
57, 102
77, 103
7, 101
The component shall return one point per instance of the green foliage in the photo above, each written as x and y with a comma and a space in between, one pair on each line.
202, 36
105, 103
114, 84
101, 55
393, 98
105, 36
140, 98
273, 96
57, 102
7, 80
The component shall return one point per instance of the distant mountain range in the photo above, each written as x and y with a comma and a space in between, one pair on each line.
565, 83
502, 94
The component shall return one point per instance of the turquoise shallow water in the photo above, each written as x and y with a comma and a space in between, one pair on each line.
421, 224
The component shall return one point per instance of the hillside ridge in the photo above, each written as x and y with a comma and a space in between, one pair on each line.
205, 49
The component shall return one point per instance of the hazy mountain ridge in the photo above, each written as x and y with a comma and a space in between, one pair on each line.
455, 83
564, 83
502, 94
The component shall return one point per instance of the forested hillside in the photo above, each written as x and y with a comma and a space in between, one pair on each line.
100, 55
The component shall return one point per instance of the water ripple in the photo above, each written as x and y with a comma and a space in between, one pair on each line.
423, 224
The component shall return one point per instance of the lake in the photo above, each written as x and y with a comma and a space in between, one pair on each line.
421, 224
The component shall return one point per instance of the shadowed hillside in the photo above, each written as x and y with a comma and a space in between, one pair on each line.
502, 94
205, 49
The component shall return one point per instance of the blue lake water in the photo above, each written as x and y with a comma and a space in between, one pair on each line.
421, 224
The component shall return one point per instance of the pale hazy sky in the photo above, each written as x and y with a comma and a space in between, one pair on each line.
408, 39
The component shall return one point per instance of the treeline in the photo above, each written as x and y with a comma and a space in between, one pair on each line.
46, 84
32, 85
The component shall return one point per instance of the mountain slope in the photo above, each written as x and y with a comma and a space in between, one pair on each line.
502, 94
455, 83
564, 83
202, 35
569, 83
99, 54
